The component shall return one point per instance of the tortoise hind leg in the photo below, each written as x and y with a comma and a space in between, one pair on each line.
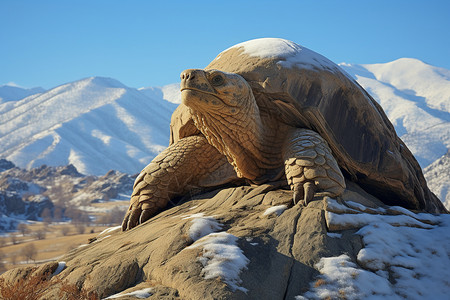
310, 166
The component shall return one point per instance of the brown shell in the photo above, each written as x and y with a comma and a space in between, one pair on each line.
307, 90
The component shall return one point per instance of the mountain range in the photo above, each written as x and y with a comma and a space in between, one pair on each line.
98, 124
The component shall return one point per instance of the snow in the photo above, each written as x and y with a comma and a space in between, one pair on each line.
110, 230
343, 279
202, 225
407, 75
170, 92
221, 257
397, 262
334, 235
97, 124
61, 266
13, 92
278, 210
355, 220
438, 178
141, 294
289, 53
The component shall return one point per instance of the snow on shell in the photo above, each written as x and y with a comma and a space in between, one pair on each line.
294, 54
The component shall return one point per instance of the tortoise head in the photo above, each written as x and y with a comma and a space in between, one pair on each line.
215, 91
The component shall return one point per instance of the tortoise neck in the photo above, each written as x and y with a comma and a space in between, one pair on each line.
243, 138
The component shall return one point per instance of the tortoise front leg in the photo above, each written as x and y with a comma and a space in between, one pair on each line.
310, 166
188, 164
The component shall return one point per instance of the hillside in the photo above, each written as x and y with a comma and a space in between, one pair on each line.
96, 124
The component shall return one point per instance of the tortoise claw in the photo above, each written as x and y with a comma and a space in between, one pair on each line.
125, 221
298, 194
133, 218
310, 189
145, 215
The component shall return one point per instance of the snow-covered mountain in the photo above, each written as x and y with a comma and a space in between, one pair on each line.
10, 92
98, 124
416, 98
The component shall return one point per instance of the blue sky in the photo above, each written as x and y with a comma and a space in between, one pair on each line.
148, 43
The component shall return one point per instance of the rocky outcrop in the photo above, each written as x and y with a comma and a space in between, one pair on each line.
5, 165
24, 194
233, 243
20, 198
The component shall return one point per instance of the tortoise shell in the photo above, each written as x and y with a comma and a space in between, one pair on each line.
304, 89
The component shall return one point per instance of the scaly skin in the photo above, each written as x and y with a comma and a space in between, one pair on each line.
258, 146
310, 166
190, 163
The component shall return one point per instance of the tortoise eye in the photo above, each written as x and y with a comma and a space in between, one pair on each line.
217, 80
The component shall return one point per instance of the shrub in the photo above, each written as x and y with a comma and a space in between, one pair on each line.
2, 264
80, 228
40, 234
65, 230
23, 228
29, 251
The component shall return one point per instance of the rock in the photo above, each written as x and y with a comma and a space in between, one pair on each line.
5, 165
276, 254
69, 170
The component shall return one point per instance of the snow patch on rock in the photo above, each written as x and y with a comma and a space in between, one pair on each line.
141, 294
202, 225
278, 210
61, 266
402, 258
342, 279
222, 257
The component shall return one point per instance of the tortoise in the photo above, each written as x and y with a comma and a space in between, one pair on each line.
270, 110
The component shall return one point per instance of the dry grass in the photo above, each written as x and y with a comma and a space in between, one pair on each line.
108, 205
34, 287
54, 245
319, 282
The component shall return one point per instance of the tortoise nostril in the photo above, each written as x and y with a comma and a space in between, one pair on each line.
187, 76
